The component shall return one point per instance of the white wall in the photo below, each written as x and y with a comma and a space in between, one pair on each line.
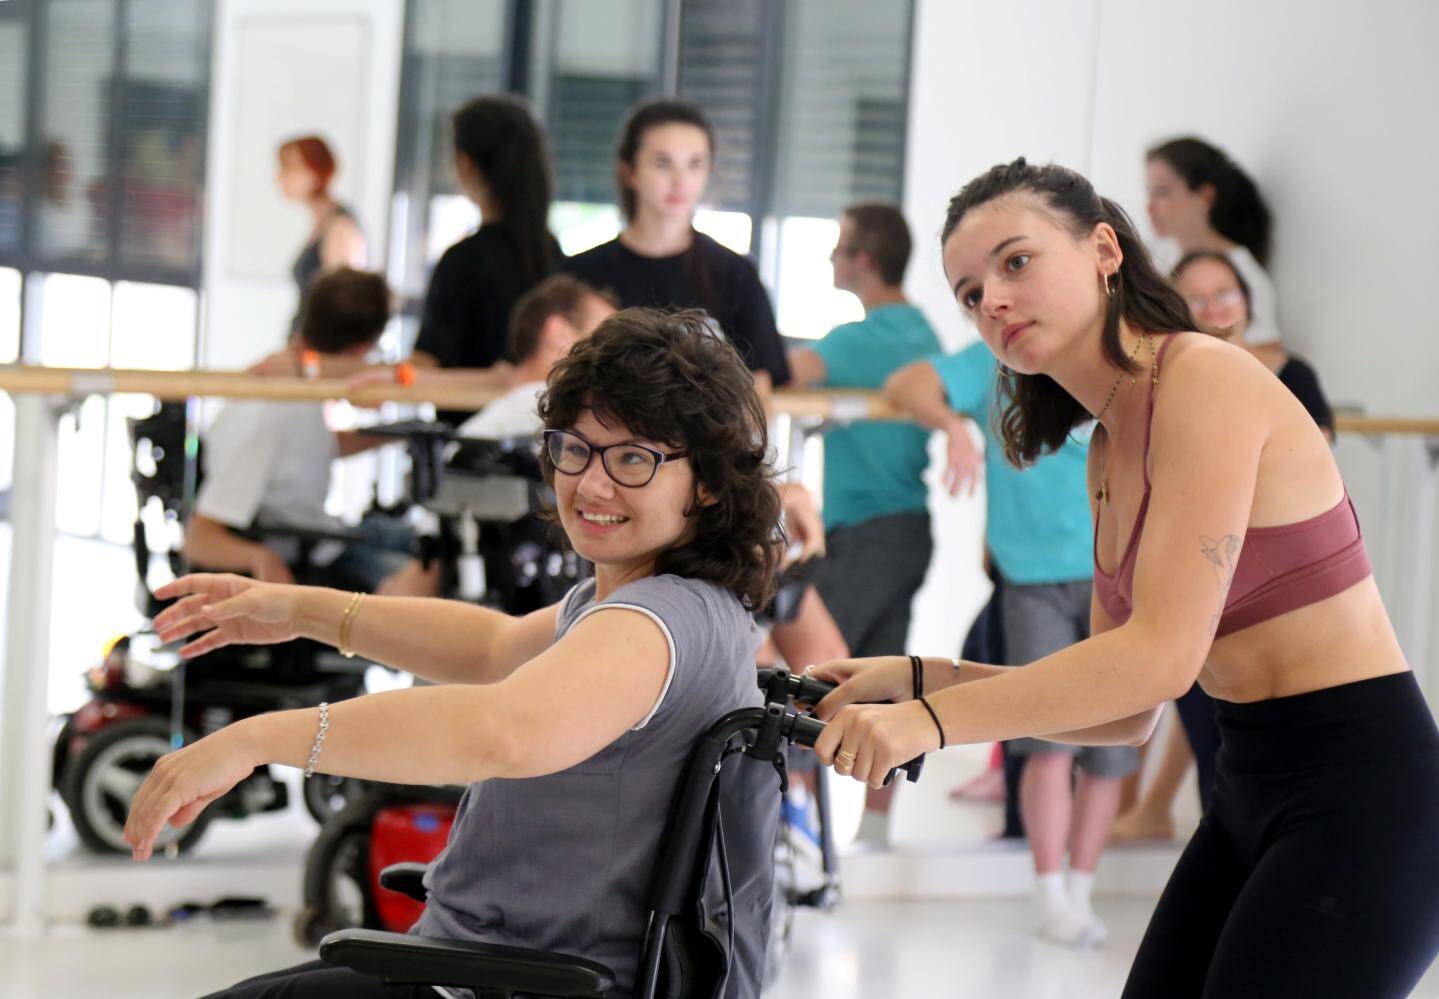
282, 68
969, 57
1331, 105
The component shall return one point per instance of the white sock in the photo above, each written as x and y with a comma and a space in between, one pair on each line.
1049, 891
1081, 884
873, 828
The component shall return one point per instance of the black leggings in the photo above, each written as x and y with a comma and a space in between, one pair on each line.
318, 980
1196, 714
1315, 871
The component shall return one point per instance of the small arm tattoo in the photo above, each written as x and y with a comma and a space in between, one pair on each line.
1224, 556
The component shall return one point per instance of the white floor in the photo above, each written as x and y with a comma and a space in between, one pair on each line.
977, 949
944, 914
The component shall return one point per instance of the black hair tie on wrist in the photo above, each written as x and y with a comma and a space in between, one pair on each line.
930, 708
917, 665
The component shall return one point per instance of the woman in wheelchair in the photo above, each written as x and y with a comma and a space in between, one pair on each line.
655, 445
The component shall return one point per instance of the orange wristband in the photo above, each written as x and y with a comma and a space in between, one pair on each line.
310, 363
405, 373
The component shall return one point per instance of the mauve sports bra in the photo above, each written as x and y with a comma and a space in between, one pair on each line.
1281, 568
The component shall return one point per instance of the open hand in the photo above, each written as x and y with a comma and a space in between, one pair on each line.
183, 783
963, 462
225, 609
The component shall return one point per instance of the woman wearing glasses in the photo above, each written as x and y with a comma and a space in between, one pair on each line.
589, 708
1223, 304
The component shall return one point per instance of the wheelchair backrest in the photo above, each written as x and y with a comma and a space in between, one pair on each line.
719, 898
158, 456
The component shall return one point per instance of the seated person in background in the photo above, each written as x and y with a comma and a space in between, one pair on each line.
547, 321
572, 724
267, 463
1222, 305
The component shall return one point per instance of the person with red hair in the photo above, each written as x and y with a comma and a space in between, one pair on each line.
306, 168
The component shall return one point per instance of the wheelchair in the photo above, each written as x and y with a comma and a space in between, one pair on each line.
689, 946
145, 701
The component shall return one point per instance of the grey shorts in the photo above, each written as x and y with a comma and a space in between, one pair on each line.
868, 579
1040, 619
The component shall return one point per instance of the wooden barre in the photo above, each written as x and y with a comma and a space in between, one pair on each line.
239, 385
829, 404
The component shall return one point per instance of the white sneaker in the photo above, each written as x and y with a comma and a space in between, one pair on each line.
1068, 926
1095, 933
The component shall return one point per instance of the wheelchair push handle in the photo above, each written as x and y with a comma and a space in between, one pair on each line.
780, 682
805, 729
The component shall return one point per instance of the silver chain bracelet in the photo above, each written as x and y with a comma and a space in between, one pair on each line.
319, 739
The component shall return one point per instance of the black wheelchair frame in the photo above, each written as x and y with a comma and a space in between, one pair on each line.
759, 735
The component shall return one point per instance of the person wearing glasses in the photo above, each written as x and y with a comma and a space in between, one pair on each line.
1223, 304
876, 513
588, 709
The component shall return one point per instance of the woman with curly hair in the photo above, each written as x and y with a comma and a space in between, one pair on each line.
655, 445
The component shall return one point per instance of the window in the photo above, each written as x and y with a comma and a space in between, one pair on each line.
808, 99
841, 139
116, 150
73, 195
14, 41
598, 58
454, 50
107, 245
9, 315
162, 94
9, 352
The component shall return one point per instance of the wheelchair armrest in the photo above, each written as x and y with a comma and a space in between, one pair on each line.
406, 878
403, 959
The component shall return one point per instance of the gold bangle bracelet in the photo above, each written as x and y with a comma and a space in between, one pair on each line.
345, 624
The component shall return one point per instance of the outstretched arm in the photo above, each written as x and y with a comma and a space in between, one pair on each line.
1207, 437
561, 708
446, 641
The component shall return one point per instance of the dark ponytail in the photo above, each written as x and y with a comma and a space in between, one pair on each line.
1239, 212
1033, 413
500, 136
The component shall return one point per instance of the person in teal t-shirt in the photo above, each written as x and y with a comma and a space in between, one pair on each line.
1040, 536
876, 514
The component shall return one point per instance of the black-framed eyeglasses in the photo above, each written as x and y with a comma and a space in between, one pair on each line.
630, 465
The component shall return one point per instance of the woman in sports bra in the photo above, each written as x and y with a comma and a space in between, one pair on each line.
1226, 549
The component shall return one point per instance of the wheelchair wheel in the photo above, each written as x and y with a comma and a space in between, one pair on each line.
337, 891
100, 783
326, 796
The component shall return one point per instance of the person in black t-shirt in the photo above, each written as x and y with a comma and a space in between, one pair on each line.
503, 166
664, 159
1219, 297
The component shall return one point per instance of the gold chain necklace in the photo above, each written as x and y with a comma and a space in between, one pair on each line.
1103, 494
1115, 387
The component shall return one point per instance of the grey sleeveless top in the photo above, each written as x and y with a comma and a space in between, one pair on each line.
562, 862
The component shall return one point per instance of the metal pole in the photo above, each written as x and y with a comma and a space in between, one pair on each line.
24, 716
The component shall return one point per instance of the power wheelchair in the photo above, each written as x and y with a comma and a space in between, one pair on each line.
689, 941
146, 702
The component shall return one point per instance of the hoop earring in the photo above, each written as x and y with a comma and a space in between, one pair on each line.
1111, 284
